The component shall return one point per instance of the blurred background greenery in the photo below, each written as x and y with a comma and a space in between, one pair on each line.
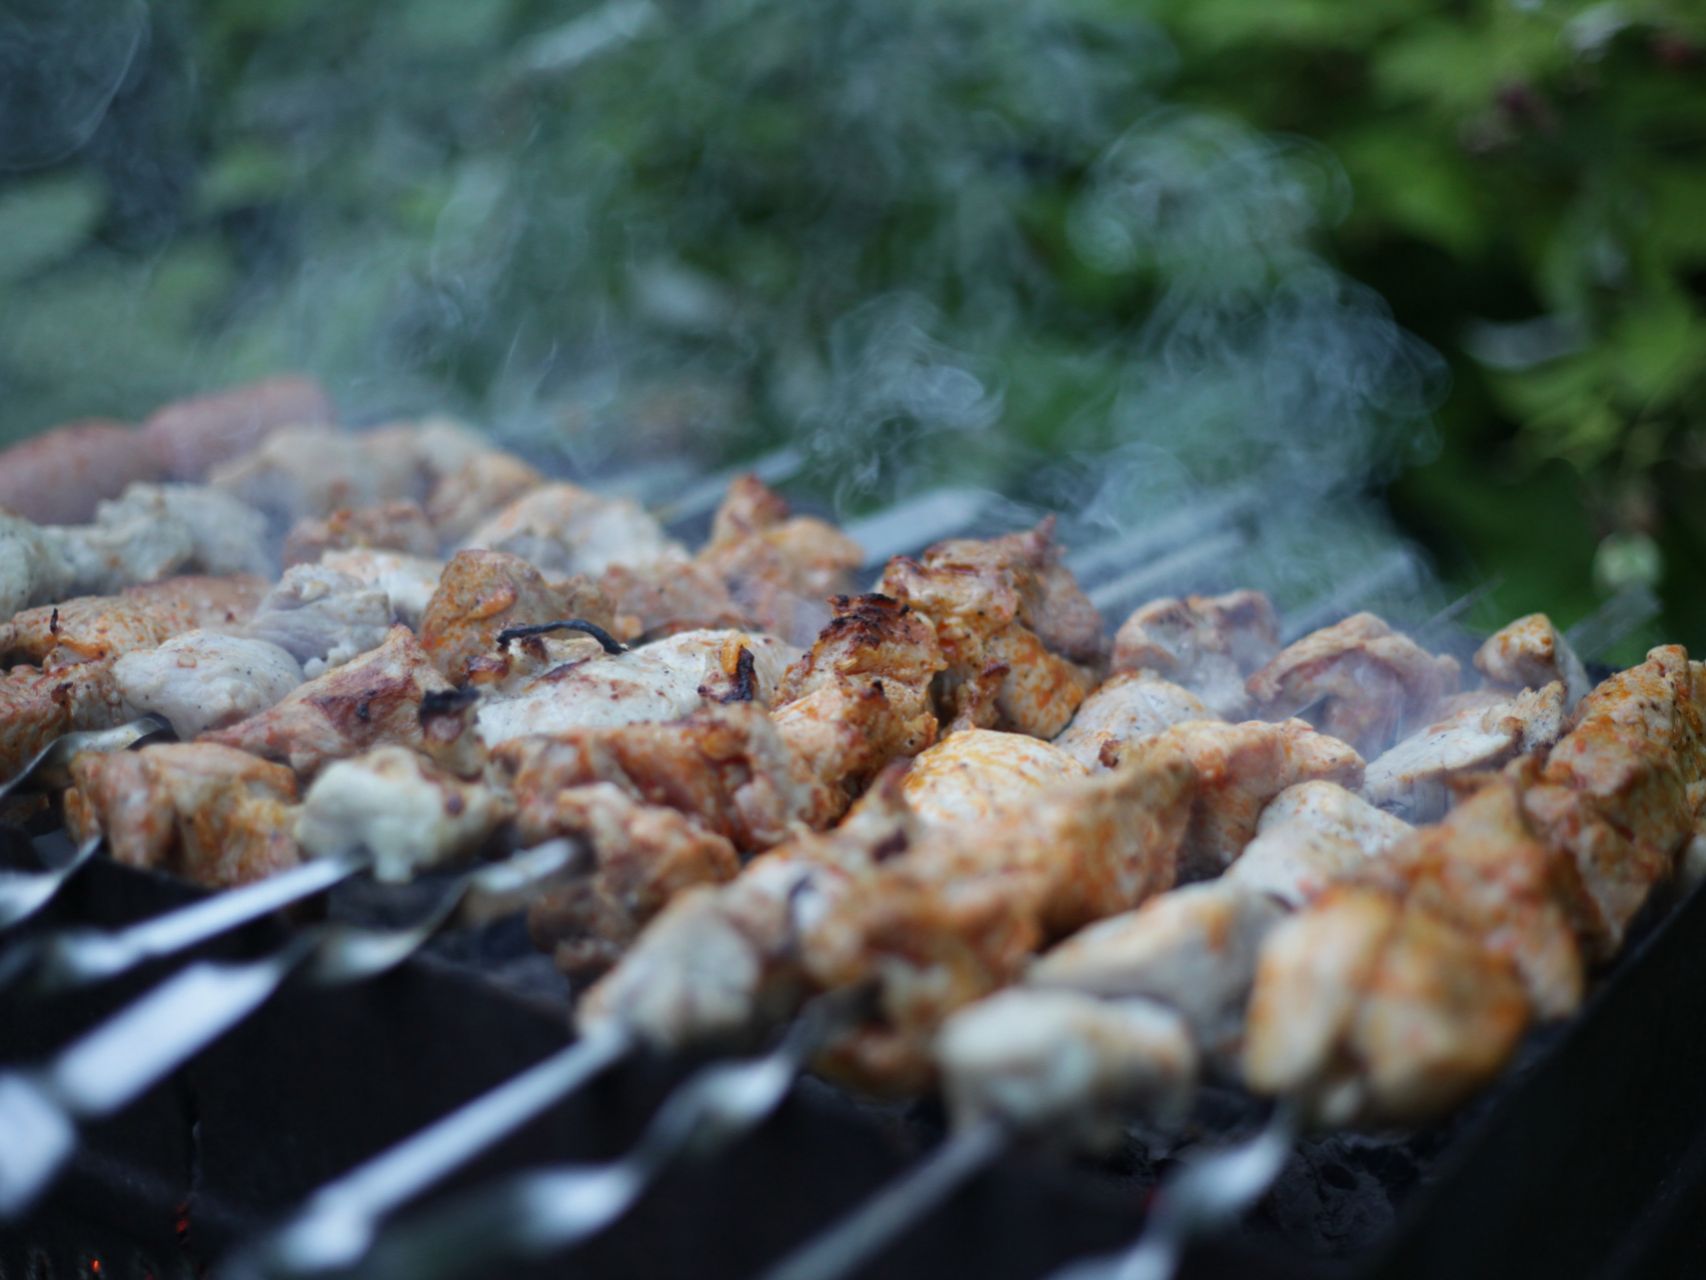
933, 237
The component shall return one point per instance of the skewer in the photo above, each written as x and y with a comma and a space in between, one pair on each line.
549, 1209
858, 1238
1151, 579
23, 893
915, 522
48, 764
1208, 1194
114, 1064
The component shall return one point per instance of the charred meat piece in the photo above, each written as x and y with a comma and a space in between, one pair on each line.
859, 699
975, 774
1013, 628
1124, 708
779, 569
202, 680
726, 767
1207, 644
89, 628
564, 529
373, 700
1531, 653
642, 856
390, 526
482, 594
1358, 680
664, 680
205, 812
400, 807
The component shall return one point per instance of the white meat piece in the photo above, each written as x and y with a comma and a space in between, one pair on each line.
407, 581
130, 548
1194, 949
974, 774
405, 811
1208, 644
206, 679
1530, 653
1127, 706
664, 680
225, 535
1334, 810
313, 470
33, 568
1065, 1065
562, 529
1294, 863
1412, 778
322, 617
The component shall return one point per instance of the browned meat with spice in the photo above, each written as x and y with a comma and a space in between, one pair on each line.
1013, 627
374, 699
1625, 790
38, 706
88, 628
1358, 680
1531, 653
726, 767
666, 597
208, 813
859, 699
1371, 1010
480, 595
974, 774
641, 856
779, 569
1207, 644
390, 526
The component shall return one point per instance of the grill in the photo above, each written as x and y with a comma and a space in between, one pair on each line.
1589, 1155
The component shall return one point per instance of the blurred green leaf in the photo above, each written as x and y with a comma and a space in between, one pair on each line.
44, 220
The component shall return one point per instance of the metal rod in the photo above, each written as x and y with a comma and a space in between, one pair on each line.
1207, 1195
23, 893
871, 1228
1168, 571
1165, 534
914, 523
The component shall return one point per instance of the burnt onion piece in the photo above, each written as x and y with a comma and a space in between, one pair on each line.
746, 682
611, 643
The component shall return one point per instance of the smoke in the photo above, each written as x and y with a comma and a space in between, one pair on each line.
947, 243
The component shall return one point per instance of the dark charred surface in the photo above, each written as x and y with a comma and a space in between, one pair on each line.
1585, 1159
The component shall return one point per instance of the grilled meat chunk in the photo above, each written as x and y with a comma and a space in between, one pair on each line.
88, 628
374, 699
1013, 627
1125, 707
975, 774
1625, 790
403, 809
1374, 1011
33, 565
664, 680
482, 594
669, 596
321, 617
859, 699
1066, 1066
564, 529
1358, 680
1310, 835
1239, 769
205, 812
1413, 777
314, 469
408, 582
190, 436
1531, 653
202, 680
725, 766
391, 526
466, 495
38, 706
779, 569
642, 856
1207, 644
58, 477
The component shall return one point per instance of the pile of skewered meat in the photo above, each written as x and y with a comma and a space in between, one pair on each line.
1074, 876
